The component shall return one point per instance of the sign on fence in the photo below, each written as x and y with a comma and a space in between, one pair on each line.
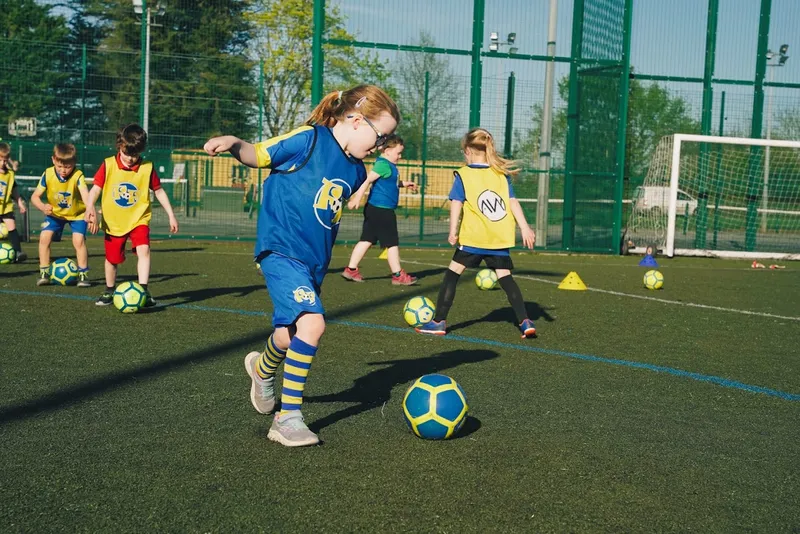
22, 127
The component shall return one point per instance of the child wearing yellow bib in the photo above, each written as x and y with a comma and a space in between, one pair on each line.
482, 190
9, 195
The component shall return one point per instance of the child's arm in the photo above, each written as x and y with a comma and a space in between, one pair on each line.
90, 212
355, 200
20, 201
455, 216
241, 150
36, 200
163, 199
528, 235
409, 185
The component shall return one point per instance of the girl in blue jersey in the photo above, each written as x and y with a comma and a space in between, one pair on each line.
482, 189
314, 169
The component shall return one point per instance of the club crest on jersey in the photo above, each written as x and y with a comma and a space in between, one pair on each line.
3, 186
328, 202
492, 205
304, 294
64, 199
125, 195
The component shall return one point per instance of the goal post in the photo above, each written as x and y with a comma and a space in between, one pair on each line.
719, 196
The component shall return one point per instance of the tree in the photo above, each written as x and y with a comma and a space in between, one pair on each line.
31, 43
787, 125
283, 37
201, 82
442, 108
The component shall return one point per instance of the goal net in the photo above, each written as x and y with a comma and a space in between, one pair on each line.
719, 196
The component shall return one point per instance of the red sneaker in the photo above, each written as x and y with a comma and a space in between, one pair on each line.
403, 279
352, 274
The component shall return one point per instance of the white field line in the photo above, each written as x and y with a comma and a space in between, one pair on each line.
642, 297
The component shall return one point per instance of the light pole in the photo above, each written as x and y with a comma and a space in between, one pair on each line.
494, 46
782, 57
141, 7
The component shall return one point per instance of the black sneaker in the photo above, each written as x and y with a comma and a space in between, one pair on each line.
21, 256
149, 301
44, 277
83, 280
105, 299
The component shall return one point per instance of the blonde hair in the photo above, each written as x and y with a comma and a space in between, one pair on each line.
481, 140
65, 153
369, 100
5, 149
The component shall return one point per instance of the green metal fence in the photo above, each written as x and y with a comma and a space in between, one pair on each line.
625, 74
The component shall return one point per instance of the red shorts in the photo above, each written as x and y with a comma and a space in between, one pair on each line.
115, 244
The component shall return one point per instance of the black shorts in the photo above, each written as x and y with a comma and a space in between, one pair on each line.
468, 259
9, 215
380, 224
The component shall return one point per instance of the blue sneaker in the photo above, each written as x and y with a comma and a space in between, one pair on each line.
527, 328
437, 329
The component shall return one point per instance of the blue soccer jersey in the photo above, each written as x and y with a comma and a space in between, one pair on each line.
385, 191
303, 195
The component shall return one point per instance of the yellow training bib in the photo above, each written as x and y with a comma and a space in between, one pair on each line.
126, 197
487, 221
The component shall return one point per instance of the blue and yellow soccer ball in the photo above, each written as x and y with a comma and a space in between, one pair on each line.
653, 279
486, 279
129, 297
7, 253
435, 407
63, 272
418, 311
3, 231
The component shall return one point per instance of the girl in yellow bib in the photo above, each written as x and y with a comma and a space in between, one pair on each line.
65, 194
9, 195
482, 190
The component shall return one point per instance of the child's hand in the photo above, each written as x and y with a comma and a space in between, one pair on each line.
452, 239
353, 203
47, 209
528, 237
22, 207
173, 225
218, 145
410, 185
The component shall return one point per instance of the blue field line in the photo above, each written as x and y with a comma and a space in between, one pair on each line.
719, 381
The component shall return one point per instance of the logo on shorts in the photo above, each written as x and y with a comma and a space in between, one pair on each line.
64, 199
304, 294
492, 205
125, 195
328, 202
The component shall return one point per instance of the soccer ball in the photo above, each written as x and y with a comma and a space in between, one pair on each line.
653, 279
3, 231
435, 407
64, 272
7, 253
129, 297
486, 279
418, 311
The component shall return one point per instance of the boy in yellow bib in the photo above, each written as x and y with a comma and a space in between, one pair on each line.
483, 190
9, 195
66, 196
125, 181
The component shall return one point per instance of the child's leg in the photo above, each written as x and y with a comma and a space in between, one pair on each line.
359, 251
394, 259
143, 264
13, 234
273, 354
111, 275
447, 293
45, 238
300, 354
513, 293
81, 252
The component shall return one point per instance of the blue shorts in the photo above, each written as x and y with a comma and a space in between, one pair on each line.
56, 225
291, 288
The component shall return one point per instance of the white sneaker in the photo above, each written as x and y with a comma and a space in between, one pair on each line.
290, 430
262, 392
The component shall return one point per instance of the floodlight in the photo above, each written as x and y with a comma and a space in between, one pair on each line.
494, 37
511, 38
493, 47
137, 7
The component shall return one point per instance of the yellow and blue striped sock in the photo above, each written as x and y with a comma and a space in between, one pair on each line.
295, 372
270, 359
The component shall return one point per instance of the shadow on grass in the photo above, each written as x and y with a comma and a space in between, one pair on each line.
199, 295
375, 388
112, 380
506, 315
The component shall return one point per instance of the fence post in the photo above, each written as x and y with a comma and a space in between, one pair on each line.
573, 116
476, 72
424, 179
622, 126
509, 115
717, 173
317, 63
83, 103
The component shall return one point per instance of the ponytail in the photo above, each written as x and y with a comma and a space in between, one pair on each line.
368, 100
482, 141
